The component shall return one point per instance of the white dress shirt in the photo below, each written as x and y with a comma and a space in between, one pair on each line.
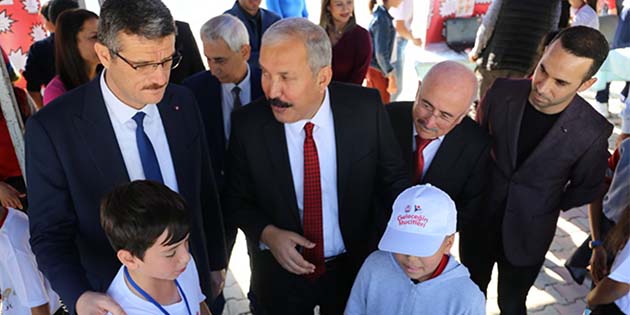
429, 151
324, 136
120, 114
227, 100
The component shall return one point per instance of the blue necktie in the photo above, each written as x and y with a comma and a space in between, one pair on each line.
147, 154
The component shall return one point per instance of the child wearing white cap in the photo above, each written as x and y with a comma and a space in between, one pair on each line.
413, 272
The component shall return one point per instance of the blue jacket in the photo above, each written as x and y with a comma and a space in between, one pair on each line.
622, 33
383, 34
266, 18
288, 8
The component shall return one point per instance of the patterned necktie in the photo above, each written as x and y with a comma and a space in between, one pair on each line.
419, 158
236, 93
313, 226
148, 158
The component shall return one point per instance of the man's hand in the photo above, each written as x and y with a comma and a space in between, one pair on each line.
94, 303
599, 268
417, 41
217, 282
392, 86
10, 197
472, 57
282, 244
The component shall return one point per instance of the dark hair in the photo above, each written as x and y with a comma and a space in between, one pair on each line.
44, 11
71, 67
619, 234
371, 5
583, 41
326, 19
56, 7
150, 19
134, 215
592, 4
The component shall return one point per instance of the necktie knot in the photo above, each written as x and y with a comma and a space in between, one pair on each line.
139, 118
422, 143
308, 129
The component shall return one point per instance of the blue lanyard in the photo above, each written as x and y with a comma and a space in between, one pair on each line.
150, 298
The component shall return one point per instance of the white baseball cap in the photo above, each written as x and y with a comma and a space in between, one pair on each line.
422, 216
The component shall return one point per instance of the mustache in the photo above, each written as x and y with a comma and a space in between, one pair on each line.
424, 126
279, 103
153, 87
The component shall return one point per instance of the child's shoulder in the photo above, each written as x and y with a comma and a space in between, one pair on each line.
378, 256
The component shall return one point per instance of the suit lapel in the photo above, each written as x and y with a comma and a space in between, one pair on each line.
276, 143
215, 100
446, 156
515, 107
562, 128
345, 131
95, 127
179, 139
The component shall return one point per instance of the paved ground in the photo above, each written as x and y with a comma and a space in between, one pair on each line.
554, 292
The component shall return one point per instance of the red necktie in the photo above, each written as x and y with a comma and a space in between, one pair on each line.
313, 227
419, 161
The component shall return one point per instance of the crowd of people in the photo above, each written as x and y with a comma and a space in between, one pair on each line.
349, 199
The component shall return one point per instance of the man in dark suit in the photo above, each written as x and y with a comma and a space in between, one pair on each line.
226, 47
549, 154
229, 84
257, 20
454, 150
128, 124
305, 167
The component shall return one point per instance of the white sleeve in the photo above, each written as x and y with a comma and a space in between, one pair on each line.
403, 11
620, 270
625, 117
487, 27
19, 263
191, 276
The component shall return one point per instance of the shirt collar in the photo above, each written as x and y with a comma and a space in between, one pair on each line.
244, 82
415, 133
121, 111
322, 119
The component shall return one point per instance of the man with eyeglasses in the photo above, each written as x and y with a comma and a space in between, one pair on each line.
128, 124
228, 85
443, 146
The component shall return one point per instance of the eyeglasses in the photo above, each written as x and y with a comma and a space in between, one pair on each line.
150, 67
443, 117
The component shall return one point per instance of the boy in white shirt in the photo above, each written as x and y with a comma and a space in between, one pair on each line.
413, 272
23, 288
148, 226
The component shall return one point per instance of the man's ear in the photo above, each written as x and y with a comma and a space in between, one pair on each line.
246, 51
448, 243
587, 84
324, 76
128, 259
103, 54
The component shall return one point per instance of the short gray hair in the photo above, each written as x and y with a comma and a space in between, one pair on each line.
150, 19
228, 28
316, 41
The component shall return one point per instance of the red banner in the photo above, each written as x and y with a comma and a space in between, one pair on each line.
441, 10
20, 26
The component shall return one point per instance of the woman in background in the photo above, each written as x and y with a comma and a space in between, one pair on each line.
351, 44
75, 57
381, 74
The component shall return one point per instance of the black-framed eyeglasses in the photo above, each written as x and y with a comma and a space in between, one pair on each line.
150, 67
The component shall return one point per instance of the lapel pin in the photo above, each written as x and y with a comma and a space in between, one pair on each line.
176, 107
564, 129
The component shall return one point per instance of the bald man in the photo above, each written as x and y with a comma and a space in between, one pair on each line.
442, 145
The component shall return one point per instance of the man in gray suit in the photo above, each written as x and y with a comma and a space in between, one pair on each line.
549, 154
